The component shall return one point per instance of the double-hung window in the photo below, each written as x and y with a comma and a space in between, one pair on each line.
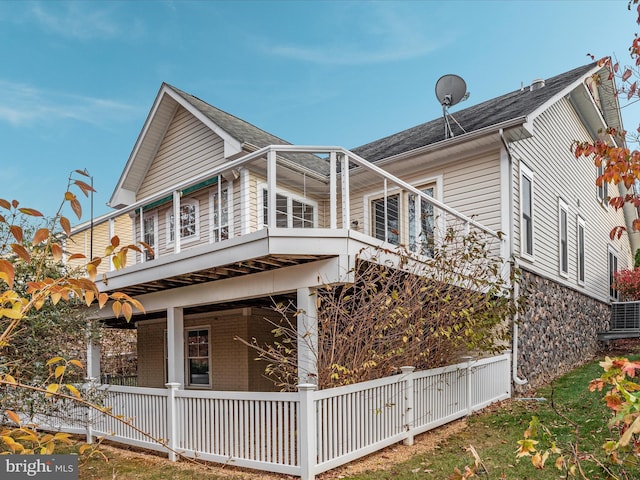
563, 237
603, 188
220, 212
385, 218
198, 356
291, 211
580, 246
613, 268
150, 234
421, 223
526, 211
189, 226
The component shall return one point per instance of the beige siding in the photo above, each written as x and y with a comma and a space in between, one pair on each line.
81, 242
557, 174
188, 149
233, 367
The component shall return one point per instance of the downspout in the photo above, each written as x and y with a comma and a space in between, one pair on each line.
516, 288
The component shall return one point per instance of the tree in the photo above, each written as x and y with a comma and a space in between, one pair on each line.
36, 288
401, 309
610, 152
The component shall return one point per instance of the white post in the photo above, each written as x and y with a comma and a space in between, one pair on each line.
407, 377
93, 357
307, 432
346, 208
468, 388
175, 345
172, 421
333, 197
176, 222
271, 189
307, 325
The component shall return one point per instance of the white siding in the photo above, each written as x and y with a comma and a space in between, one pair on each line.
558, 174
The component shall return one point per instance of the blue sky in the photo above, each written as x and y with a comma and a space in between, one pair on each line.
79, 78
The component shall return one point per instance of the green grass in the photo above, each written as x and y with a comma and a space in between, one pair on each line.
493, 433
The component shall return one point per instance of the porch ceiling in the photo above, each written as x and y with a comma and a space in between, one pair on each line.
219, 272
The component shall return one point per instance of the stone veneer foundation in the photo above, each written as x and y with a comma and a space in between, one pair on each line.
558, 330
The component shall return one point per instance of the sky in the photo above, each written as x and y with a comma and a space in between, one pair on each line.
78, 79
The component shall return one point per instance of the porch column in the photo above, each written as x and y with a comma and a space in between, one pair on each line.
307, 324
175, 345
93, 357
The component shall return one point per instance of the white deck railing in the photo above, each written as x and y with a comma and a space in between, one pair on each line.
303, 433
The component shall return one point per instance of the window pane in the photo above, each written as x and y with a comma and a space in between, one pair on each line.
580, 253
149, 236
526, 229
564, 253
199, 371
386, 222
421, 231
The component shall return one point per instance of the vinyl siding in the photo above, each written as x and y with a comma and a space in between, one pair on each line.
558, 175
188, 149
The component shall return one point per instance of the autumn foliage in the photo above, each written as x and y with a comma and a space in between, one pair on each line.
627, 283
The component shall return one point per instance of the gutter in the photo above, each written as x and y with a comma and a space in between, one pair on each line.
516, 288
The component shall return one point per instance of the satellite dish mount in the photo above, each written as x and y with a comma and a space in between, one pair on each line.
450, 90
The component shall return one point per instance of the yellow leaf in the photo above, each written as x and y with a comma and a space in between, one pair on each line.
11, 313
103, 298
10, 380
54, 360
13, 416
625, 438
89, 297
55, 297
7, 271
60, 369
127, 311
92, 271
77, 363
117, 308
51, 389
74, 391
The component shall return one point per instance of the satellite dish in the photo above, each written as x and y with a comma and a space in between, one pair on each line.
450, 89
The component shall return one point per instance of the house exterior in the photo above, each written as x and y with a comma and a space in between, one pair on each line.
261, 220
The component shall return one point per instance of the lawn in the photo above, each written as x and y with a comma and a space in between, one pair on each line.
493, 434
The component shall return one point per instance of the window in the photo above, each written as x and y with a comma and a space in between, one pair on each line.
291, 211
220, 213
603, 189
198, 371
580, 250
189, 226
386, 219
563, 240
526, 211
613, 268
150, 234
421, 224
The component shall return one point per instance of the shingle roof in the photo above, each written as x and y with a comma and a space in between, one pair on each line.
513, 105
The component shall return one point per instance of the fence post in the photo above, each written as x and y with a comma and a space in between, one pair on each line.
468, 368
172, 421
407, 377
307, 432
90, 384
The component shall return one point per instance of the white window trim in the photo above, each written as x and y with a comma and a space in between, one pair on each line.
527, 172
580, 223
611, 251
192, 238
187, 378
563, 207
153, 215
213, 191
602, 192
290, 197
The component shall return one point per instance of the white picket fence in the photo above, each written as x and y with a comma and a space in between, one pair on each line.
302, 433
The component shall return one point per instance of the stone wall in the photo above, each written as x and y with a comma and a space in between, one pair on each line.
558, 331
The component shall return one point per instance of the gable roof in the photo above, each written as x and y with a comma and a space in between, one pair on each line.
517, 104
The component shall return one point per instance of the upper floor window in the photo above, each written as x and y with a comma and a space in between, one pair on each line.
385, 218
291, 211
150, 234
220, 212
189, 226
580, 246
526, 211
421, 223
613, 268
603, 188
563, 237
